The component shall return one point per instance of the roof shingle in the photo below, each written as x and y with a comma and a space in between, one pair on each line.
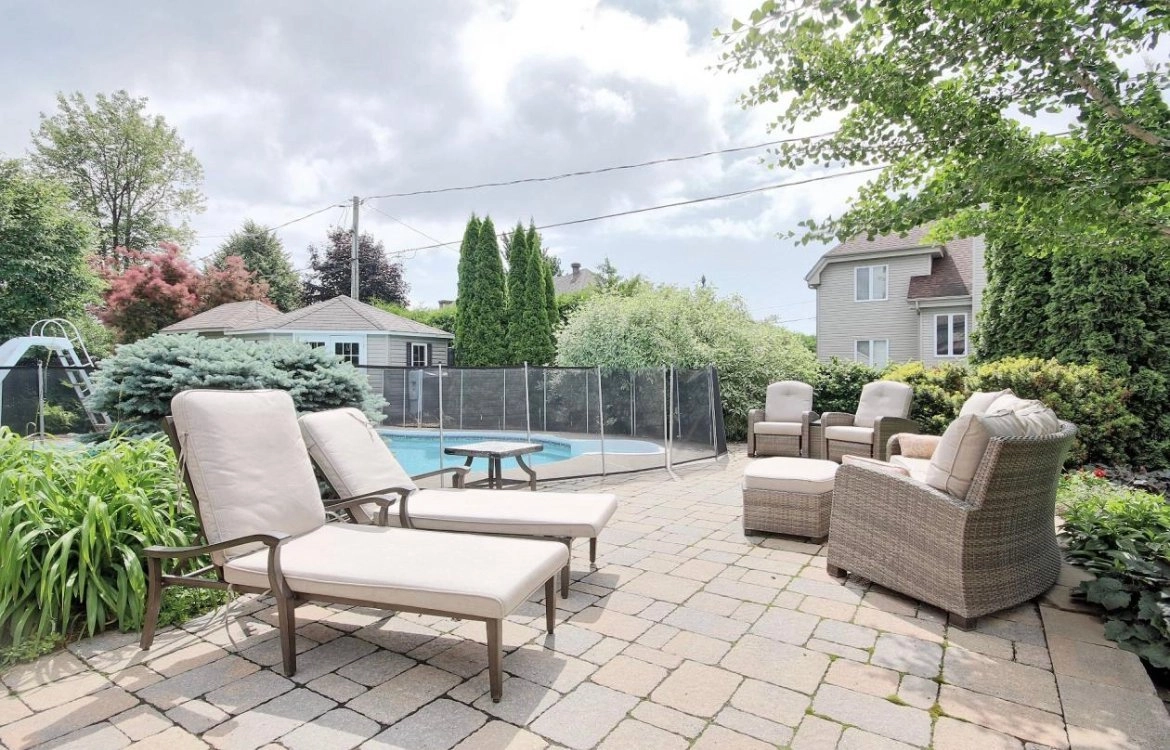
226, 317
344, 314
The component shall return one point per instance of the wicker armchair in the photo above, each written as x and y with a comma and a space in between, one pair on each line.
882, 412
781, 428
992, 550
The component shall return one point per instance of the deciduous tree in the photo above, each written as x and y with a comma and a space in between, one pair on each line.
129, 171
149, 291
329, 270
263, 253
43, 249
232, 282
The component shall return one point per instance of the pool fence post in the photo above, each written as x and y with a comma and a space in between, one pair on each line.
633, 403
527, 407
404, 397
601, 419
544, 417
40, 400
461, 371
665, 419
504, 400
442, 478
711, 408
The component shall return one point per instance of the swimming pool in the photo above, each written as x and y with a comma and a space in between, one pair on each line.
418, 450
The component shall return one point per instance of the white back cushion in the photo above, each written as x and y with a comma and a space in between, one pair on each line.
787, 401
247, 463
883, 398
978, 403
351, 454
958, 455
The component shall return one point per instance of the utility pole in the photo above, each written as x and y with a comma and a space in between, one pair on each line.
354, 285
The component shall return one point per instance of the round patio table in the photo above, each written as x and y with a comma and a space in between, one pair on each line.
495, 451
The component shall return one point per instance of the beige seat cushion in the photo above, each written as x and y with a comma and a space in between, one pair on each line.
916, 467
558, 514
801, 475
979, 402
958, 455
847, 434
247, 464
883, 398
874, 465
787, 401
466, 574
778, 428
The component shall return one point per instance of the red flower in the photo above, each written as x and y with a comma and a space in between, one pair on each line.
1099, 473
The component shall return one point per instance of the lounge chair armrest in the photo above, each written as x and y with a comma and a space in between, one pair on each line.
459, 474
885, 428
836, 419
809, 417
378, 497
271, 539
754, 416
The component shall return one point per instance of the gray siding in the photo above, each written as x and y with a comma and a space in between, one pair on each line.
926, 333
841, 321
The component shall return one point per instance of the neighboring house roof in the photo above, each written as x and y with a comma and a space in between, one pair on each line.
344, 315
950, 265
226, 317
575, 281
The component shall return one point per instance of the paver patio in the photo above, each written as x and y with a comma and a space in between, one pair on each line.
687, 634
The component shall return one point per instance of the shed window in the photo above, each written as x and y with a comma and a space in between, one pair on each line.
418, 355
349, 351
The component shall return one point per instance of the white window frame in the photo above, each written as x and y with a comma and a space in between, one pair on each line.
414, 347
869, 282
951, 354
869, 359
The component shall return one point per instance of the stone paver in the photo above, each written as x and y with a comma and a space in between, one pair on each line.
685, 634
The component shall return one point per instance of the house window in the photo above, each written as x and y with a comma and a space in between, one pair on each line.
950, 335
349, 351
870, 283
872, 352
418, 355
315, 344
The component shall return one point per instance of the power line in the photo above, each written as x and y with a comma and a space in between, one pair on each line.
676, 204
400, 221
602, 170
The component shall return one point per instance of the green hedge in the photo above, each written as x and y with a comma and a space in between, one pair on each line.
136, 385
1123, 537
72, 527
1095, 401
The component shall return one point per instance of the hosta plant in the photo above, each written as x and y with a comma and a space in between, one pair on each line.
1123, 537
72, 527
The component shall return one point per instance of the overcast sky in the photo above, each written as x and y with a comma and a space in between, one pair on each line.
292, 106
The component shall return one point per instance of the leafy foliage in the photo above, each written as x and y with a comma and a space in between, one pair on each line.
43, 248
263, 253
149, 291
329, 270
129, 171
442, 318
939, 393
1110, 310
1122, 536
934, 94
231, 282
72, 528
136, 385
530, 337
482, 323
837, 385
687, 328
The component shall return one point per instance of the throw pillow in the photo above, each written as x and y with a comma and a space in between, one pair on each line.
917, 446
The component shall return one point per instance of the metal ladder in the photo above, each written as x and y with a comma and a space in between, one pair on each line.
77, 363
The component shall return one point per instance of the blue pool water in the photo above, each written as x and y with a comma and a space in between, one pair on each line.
418, 450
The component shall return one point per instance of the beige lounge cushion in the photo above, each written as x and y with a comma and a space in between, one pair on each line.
466, 574
916, 467
247, 464
351, 454
778, 428
883, 398
807, 476
979, 402
874, 465
958, 455
787, 401
557, 514
1024, 419
917, 446
847, 434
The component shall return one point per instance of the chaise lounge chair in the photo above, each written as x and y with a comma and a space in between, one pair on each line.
263, 521
356, 461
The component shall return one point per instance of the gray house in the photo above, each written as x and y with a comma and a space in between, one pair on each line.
577, 280
898, 298
219, 320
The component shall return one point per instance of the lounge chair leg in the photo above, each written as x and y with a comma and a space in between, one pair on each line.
592, 549
565, 582
286, 612
495, 656
550, 604
153, 601
963, 623
836, 572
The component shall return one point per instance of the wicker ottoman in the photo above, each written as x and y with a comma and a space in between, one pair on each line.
789, 496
